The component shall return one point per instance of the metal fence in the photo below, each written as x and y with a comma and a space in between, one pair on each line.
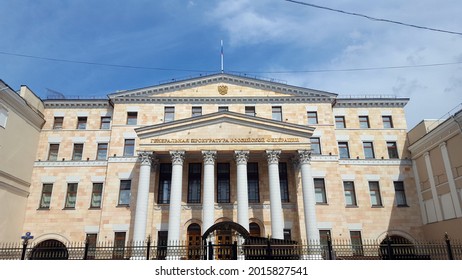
261, 250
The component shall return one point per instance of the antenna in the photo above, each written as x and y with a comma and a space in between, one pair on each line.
222, 58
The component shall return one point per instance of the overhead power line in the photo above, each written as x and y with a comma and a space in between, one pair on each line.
231, 71
374, 18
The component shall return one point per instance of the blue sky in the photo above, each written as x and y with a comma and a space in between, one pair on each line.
260, 38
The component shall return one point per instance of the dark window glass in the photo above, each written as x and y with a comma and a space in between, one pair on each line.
165, 182
340, 122
315, 145
119, 245
96, 195
58, 123
91, 239
81, 122
343, 150
46, 196
194, 183
53, 152
363, 121
400, 194
78, 151
312, 117
250, 110
196, 111
277, 113
350, 195
356, 243
105, 123
387, 122
287, 234
132, 118
252, 182
392, 150
102, 151
320, 190
374, 189
223, 187
254, 230
71, 195
125, 192
222, 108
129, 147
283, 182
368, 150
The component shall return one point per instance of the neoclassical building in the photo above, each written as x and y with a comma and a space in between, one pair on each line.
171, 160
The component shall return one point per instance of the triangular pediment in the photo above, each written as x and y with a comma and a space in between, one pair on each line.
225, 131
222, 85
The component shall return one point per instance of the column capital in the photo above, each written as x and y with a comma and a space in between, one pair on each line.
146, 158
443, 145
209, 157
177, 157
241, 157
273, 156
304, 156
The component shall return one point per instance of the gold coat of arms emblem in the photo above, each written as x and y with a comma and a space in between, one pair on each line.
222, 89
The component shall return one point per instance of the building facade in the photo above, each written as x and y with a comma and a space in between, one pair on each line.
436, 149
170, 161
21, 120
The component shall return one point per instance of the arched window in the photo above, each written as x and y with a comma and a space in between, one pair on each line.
254, 230
50, 249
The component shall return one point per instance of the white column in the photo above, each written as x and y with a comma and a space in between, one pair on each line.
142, 197
208, 205
419, 192
431, 179
241, 158
277, 217
309, 199
452, 183
174, 215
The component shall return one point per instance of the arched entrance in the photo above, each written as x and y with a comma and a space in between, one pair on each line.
222, 240
397, 247
254, 230
194, 242
50, 249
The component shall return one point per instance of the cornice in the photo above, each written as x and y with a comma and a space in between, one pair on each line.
380, 162
370, 102
76, 103
69, 163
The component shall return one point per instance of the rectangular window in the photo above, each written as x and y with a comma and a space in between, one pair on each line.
105, 123
312, 117
252, 182
81, 122
165, 182
169, 114
277, 113
194, 183
223, 183
53, 152
129, 147
119, 245
392, 150
315, 145
250, 111
374, 190
196, 111
3, 116
91, 239
96, 195
132, 118
350, 195
400, 194
77, 152
101, 153
343, 150
387, 122
283, 182
287, 234
223, 109
324, 236
364, 121
71, 195
356, 243
45, 198
162, 240
340, 122
125, 192
58, 123
320, 191
368, 148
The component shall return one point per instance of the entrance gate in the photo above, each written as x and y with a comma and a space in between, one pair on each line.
223, 244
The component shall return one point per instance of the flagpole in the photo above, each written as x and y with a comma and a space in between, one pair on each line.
222, 58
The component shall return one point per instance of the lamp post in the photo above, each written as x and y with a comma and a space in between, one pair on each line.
26, 239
